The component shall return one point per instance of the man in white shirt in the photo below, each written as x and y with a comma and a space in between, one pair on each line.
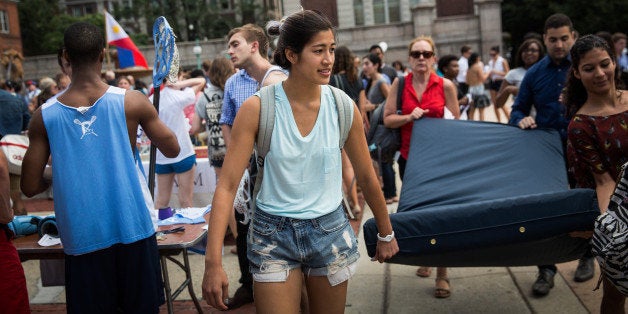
463, 66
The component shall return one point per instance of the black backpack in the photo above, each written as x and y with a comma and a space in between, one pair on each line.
384, 142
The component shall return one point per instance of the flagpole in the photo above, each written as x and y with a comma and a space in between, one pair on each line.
107, 41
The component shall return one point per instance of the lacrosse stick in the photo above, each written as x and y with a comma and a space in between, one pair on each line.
166, 64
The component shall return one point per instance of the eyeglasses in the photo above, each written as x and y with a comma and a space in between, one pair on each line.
531, 50
418, 54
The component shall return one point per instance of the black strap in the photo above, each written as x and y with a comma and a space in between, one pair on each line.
207, 97
400, 92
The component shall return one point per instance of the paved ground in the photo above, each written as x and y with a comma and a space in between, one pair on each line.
387, 288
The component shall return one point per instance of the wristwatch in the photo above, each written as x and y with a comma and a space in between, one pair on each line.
387, 238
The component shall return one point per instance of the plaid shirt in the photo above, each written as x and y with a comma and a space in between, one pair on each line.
238, 88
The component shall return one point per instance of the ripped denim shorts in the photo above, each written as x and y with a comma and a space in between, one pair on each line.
323, 246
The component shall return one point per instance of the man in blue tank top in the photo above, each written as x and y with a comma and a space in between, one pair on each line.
111, 258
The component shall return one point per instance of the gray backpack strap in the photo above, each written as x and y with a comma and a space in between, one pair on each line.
266, 123
344, 104
264, 134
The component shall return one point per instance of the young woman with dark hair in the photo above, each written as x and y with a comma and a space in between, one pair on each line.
597, 144
298, 228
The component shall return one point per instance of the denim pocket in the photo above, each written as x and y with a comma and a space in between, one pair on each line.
264, 225
332, 222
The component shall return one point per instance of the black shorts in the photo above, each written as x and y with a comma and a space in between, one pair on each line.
123, 278
496, 85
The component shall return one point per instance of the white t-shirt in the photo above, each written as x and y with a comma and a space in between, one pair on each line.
463, 66
171, 104
515, 76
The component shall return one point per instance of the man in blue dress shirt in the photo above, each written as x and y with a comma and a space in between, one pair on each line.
541, 88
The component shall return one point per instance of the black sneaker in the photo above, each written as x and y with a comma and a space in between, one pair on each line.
544, 282
585, 269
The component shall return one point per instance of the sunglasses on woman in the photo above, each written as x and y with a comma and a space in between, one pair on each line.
417, 54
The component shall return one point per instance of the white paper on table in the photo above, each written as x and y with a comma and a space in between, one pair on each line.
192, 212
48, 240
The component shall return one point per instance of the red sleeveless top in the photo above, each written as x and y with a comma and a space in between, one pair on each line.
433, 99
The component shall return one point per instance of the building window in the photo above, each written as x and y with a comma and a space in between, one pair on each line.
394, 11
128, 4
4, 22
222, 4
358, 12
76, 11
386, 11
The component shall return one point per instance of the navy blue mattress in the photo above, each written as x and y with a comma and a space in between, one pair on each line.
486, 194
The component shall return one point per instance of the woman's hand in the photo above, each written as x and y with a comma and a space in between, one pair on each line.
216, 287
368, 106
385, 250
418, 113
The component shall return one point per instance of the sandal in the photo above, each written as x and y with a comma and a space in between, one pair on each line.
424, 271
442, 293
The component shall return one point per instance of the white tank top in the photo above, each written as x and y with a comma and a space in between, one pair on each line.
302, 174
497, 65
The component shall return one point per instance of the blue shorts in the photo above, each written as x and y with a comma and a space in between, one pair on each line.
324, 246
122, 278
177, 167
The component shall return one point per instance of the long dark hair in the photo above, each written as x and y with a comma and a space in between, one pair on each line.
295, 32
473, 58
375, 59
344, 62
524, 46
575, 95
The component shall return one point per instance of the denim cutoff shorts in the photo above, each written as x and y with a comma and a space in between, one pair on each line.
323, 246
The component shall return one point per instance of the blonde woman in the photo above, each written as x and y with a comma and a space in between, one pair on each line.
424, 94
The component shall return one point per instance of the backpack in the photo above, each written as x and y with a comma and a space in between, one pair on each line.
610, 236
384, 142
215, 140
344, 105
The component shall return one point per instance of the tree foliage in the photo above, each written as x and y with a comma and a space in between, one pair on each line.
42, 25
589, 17
43, 22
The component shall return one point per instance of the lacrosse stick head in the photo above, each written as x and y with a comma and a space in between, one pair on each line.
166, 53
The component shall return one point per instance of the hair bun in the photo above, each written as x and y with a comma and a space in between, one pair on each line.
272, 28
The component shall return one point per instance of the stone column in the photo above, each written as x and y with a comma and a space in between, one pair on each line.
423, 16
346, 15
489, 12
369, 19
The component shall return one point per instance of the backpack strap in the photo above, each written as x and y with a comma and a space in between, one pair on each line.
344, 104
264, 134
400, 86
266, 123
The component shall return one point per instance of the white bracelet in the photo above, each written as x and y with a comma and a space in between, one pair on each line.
387, 238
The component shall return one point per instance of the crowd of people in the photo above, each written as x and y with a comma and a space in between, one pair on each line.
558, 80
